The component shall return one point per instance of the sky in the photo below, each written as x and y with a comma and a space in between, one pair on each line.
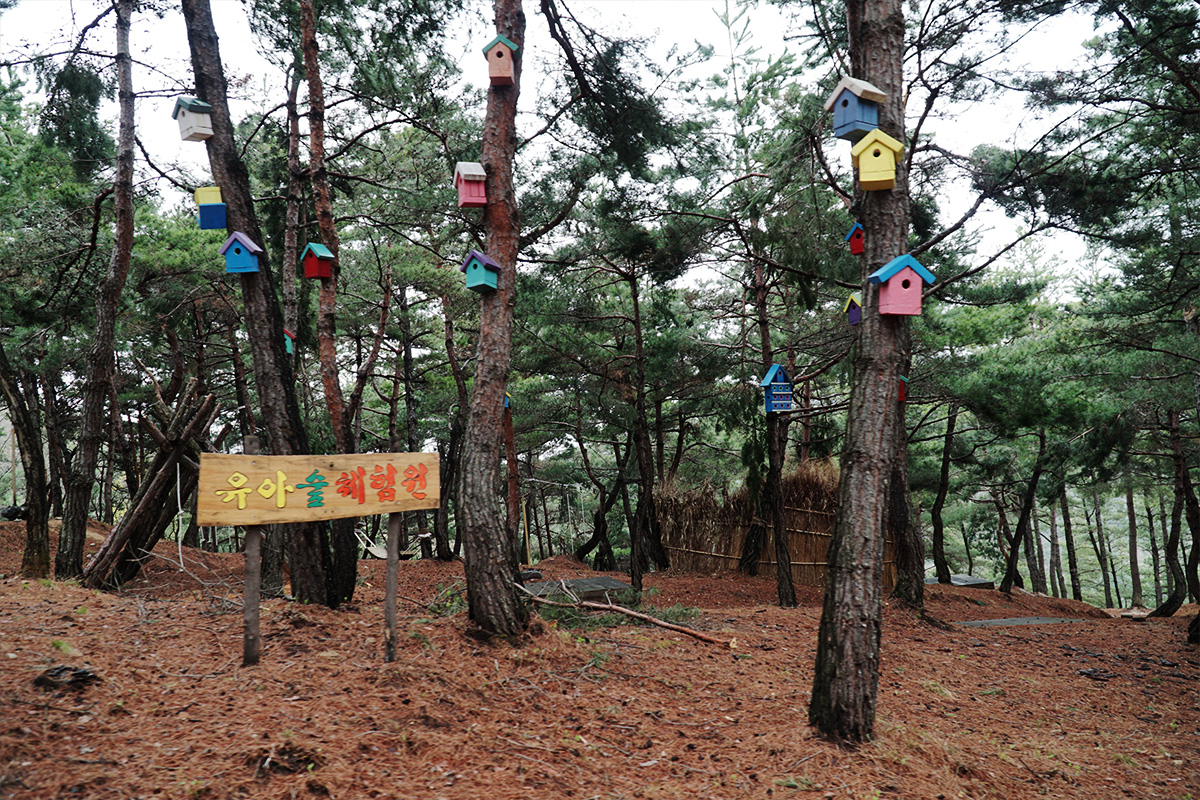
165, 70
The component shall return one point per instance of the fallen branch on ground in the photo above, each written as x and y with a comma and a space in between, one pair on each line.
629, 612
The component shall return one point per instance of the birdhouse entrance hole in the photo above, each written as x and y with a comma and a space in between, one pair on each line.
906, 283
845, 103
237, 251
876, 152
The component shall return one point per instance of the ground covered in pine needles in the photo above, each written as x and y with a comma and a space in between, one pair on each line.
151, 701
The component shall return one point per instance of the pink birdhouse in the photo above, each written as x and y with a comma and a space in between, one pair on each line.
469, 179
901, 282
501, 54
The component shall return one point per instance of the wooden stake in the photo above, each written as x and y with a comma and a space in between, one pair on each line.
251, 643
395, 520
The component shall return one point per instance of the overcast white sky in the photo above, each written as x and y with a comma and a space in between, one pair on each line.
162, 43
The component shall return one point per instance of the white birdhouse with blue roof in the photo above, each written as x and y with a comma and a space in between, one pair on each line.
901, 282
194, 118
241, 254
777, 389
855, 107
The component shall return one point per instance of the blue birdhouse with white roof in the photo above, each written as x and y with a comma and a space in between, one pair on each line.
901, 282
777, 390
481, 271
855, 107
241, 254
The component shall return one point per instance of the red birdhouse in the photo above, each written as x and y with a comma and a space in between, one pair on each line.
469, 179
857, 239
317, 260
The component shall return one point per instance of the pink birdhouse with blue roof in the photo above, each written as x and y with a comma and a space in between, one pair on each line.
241, 254
482, 272
777, 389
901, 282
855, 107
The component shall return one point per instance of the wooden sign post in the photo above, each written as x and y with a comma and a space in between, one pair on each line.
252, 490
395, 520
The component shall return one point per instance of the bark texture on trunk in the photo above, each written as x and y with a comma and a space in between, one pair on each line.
35, 562
846, 674
935, 513
97, 385
491, 557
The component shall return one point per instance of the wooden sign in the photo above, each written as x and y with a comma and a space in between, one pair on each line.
262, 490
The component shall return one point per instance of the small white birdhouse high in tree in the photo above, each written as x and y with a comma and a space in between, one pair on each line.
502, 54
777, 389
855, 107
901, 282
194, 118
875, 157
470, 179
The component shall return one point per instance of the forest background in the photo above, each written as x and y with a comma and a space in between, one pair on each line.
683, 216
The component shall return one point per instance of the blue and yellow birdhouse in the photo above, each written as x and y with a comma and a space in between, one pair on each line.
241, 254
777, 390
481, 271
855, 107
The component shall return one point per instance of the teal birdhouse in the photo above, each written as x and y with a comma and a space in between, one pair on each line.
288, 341
777, 390
481, 271
241, 254
855, 107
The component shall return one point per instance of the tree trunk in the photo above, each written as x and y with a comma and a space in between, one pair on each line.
1155, 553
1041, 584
79, 479
1135, 576
1069, 541
491, 559
1101, 553
846, 674
967, 549
1022, 537
453, 448
35, 563
939, 502
1058, 585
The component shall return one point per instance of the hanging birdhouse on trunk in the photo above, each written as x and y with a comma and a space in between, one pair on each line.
777, 390
317, 261
853, 309
855, 107
901, 282
241, 254
212, 210
194, 118
469, 179
481, 271
288, 339
857, 238
501, 54
875, 157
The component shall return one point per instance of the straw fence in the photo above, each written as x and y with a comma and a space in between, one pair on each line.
703, 534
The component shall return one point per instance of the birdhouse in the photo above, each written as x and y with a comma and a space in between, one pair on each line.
469, 178
207, 195
288, 341
501, 54
853, 309
875, 157
194, 118
777, 390
317, 260
507, 400
241, 254
482, 272
211, 217
903, 388
901, 281
857, 237
855, 107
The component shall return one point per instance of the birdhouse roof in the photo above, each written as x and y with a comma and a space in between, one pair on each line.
469, 170
859, 88
318, 250
504, 40
776, 374
857, 227
888, 270
243, 240
289, 333
190, 104
853, 298
482, 258
875, 137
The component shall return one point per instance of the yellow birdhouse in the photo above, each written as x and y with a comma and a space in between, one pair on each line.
875, 156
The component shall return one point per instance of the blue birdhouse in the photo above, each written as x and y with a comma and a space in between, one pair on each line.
241, 254
211, 216
482, 272
288, 339
777, 390
901, 282
507, 400
855, 107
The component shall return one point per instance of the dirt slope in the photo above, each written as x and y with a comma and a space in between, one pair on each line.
1100, 708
